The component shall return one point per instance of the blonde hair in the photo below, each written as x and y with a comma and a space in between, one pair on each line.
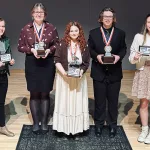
144, 29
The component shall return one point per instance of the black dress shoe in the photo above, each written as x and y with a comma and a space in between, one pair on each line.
37, 132
36, 129
112, 132
59, 134
85, 133
98, 131
44, 131
44, 128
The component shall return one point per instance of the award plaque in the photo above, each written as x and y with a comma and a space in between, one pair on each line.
73, 70
108, 58
41, 50
5, 58
144, 50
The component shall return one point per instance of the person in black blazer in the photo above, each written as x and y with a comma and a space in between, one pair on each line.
106, 77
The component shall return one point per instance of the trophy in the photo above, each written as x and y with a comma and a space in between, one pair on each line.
40, 49
74, 68
5, 57
144, 50
108, 58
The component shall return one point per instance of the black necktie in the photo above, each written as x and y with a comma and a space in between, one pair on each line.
107, 35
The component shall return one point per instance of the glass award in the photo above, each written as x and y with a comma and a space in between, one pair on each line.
144, 50
5, 58
74, 68
40, 49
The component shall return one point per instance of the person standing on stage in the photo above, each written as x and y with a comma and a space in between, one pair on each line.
71, 114
141, 81
35, 37
104, 40
4, 70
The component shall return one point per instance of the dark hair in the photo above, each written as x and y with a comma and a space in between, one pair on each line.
4, 35
100, 19
144, 29
41, 6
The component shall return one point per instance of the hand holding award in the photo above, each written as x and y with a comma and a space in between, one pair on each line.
108, 58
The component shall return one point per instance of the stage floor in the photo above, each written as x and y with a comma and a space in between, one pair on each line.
18, 112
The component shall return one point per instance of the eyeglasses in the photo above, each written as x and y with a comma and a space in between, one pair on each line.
107, 17
39, 12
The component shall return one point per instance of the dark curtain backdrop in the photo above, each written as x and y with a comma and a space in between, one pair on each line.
130, 18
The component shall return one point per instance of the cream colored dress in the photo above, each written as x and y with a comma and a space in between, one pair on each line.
71, 113
141, 81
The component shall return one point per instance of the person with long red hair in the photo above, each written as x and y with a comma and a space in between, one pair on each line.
71, 114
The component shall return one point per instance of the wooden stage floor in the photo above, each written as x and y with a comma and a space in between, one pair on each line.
18, 112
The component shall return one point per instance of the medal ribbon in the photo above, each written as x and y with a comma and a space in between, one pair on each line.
104, 37
72, 52
39, 37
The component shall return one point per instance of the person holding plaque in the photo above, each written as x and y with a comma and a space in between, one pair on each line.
141, 83
38, 39
71, 115
5, 61
107, 48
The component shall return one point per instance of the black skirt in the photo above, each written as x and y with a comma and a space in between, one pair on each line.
39, 73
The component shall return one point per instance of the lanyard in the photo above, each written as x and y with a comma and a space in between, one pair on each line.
104, 36
71, 52
38, 35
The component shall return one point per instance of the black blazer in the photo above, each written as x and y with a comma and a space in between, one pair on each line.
96, 46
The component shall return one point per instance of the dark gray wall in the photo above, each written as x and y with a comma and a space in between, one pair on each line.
130, 18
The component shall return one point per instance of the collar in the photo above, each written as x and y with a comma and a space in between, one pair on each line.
107, 30
30, 25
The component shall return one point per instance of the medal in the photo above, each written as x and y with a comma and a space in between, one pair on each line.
39, 37
107, 48
73, 54
40, 45
108, 58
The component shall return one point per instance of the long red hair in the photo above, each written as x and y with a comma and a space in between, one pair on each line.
80, 40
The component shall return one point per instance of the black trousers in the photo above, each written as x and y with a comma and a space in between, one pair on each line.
106, 94
3, 91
